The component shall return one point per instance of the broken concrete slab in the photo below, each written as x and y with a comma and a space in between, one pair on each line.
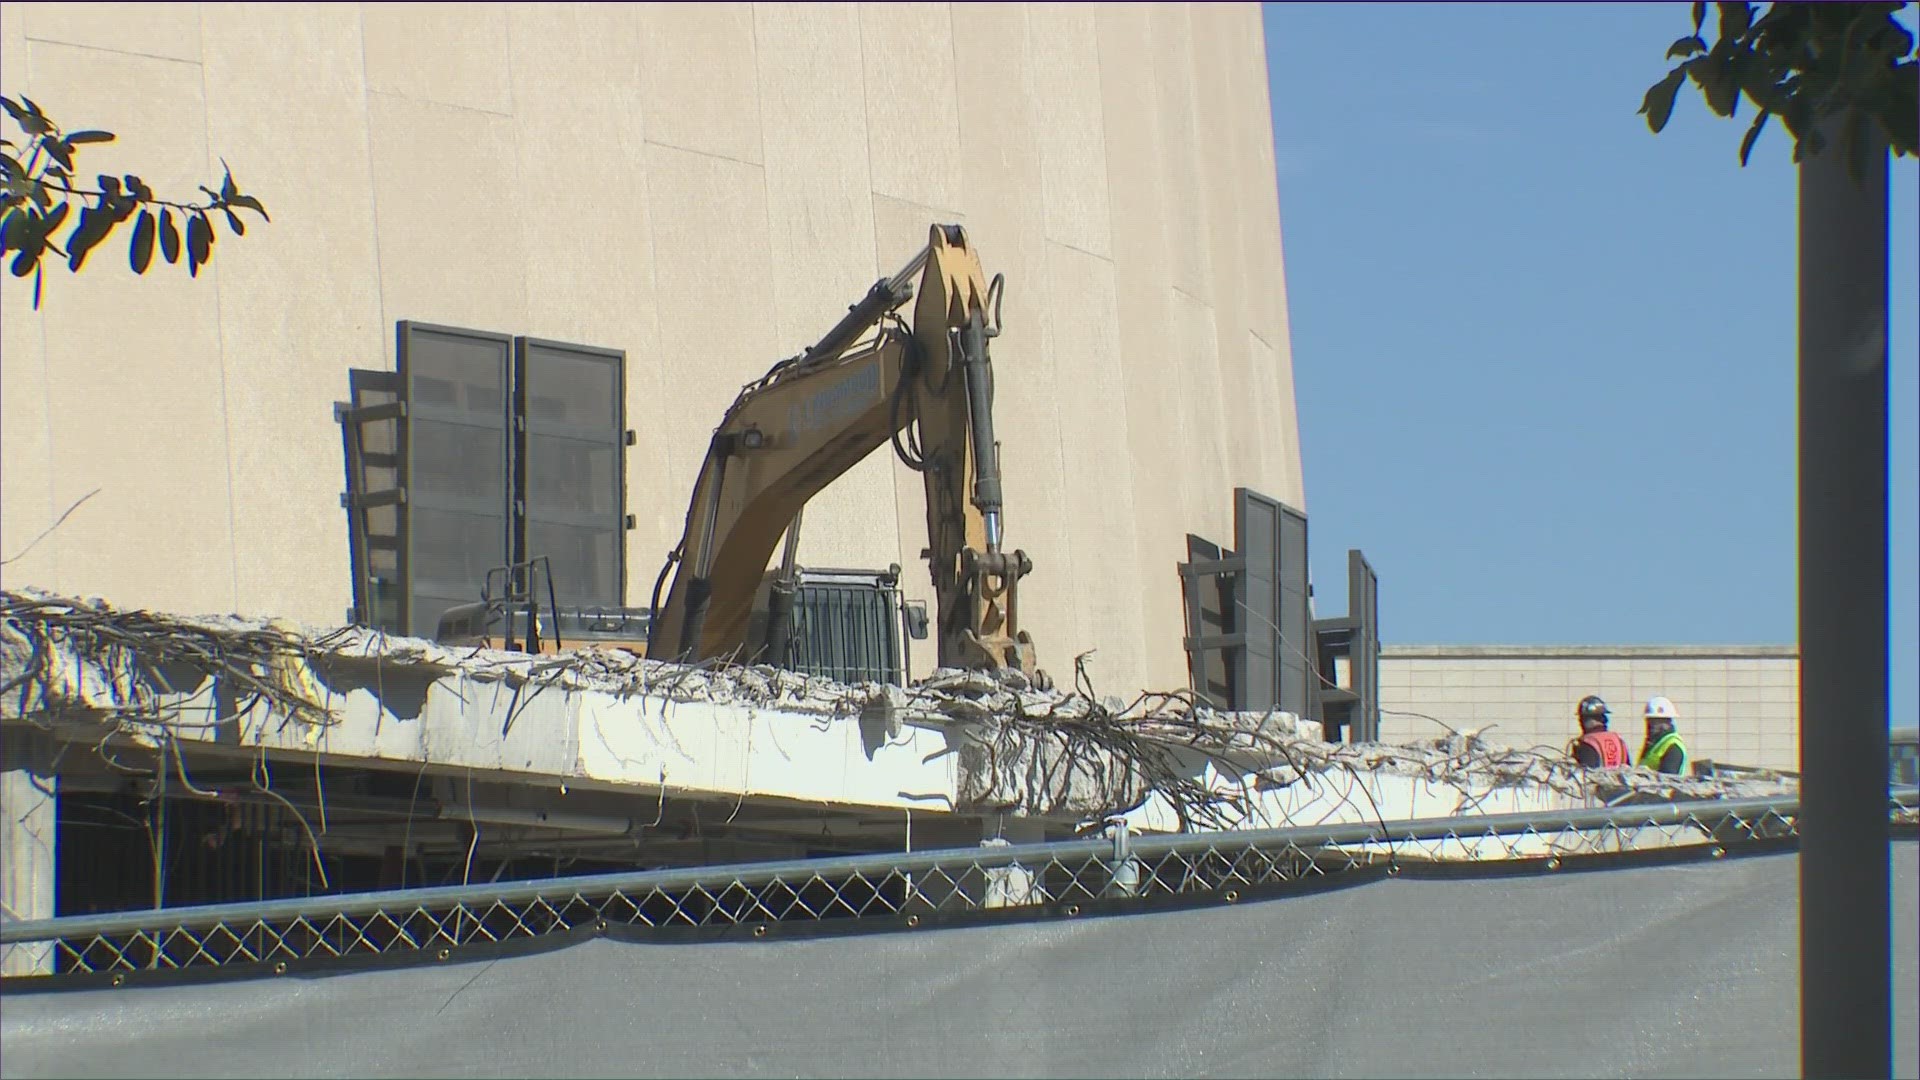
958, 741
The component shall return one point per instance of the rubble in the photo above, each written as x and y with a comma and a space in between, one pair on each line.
1057, 754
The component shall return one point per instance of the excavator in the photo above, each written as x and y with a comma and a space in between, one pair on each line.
926, 387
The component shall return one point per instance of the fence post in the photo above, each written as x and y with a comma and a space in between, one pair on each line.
1126, 868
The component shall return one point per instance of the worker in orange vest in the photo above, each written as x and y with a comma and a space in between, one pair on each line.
1597, 747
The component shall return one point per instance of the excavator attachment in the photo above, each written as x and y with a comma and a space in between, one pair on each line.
925, 387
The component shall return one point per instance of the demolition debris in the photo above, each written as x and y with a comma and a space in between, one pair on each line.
1061, 755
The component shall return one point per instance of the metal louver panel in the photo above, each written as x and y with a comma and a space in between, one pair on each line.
1363, 659
1257, 602
1295, 646
455, 452
572, 467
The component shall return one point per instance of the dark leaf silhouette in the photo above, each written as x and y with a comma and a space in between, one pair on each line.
39, 192
140, 251
169, 238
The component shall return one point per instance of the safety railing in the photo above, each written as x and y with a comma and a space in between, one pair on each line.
882, 891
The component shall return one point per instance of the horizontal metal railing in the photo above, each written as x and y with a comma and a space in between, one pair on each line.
891, 888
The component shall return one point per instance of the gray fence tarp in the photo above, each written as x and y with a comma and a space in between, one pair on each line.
1643, 971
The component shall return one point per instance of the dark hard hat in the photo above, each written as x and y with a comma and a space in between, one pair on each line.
1593, 710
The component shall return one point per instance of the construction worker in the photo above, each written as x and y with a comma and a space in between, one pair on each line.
1663, 752
1597, 747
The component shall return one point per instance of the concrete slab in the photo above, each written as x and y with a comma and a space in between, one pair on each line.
965, 742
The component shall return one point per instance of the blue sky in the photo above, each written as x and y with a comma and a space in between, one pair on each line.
1544, 359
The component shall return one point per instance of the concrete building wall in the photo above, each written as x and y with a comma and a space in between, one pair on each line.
1737, 705
705, 186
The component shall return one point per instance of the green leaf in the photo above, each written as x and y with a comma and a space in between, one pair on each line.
1713, 73
1753, 133
199, 242
1686, 47
1658, 105
169, 238
1735, 20
250, 203
89, 136
140, 250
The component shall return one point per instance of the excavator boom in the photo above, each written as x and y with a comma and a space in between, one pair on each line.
873, 379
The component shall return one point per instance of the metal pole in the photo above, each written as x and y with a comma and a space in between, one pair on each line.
1846, 978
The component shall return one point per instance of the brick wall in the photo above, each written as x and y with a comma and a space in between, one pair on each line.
1738, 705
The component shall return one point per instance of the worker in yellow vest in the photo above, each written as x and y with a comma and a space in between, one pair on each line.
1663, 752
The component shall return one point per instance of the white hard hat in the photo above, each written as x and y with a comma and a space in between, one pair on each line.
1659, 708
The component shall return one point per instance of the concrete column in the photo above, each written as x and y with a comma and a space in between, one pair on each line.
26, 846
1011, 886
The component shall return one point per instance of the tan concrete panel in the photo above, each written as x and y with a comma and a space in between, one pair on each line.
1222, 162
136, 388
1204, 449
589, 271
449, 54
1001, 170
26, 473
1065, 53
26, 492
1276, 468
448, 252
1263, 246
820, 229
913, 121
1262, 274
711, 277
1262, 258
1166, 497
287, 356
162, 31
697, 78
13, 50
1185, 218
1108, 577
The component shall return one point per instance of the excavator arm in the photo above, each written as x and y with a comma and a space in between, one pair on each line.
873, 379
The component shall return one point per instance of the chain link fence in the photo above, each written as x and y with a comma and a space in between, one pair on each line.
884, 891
